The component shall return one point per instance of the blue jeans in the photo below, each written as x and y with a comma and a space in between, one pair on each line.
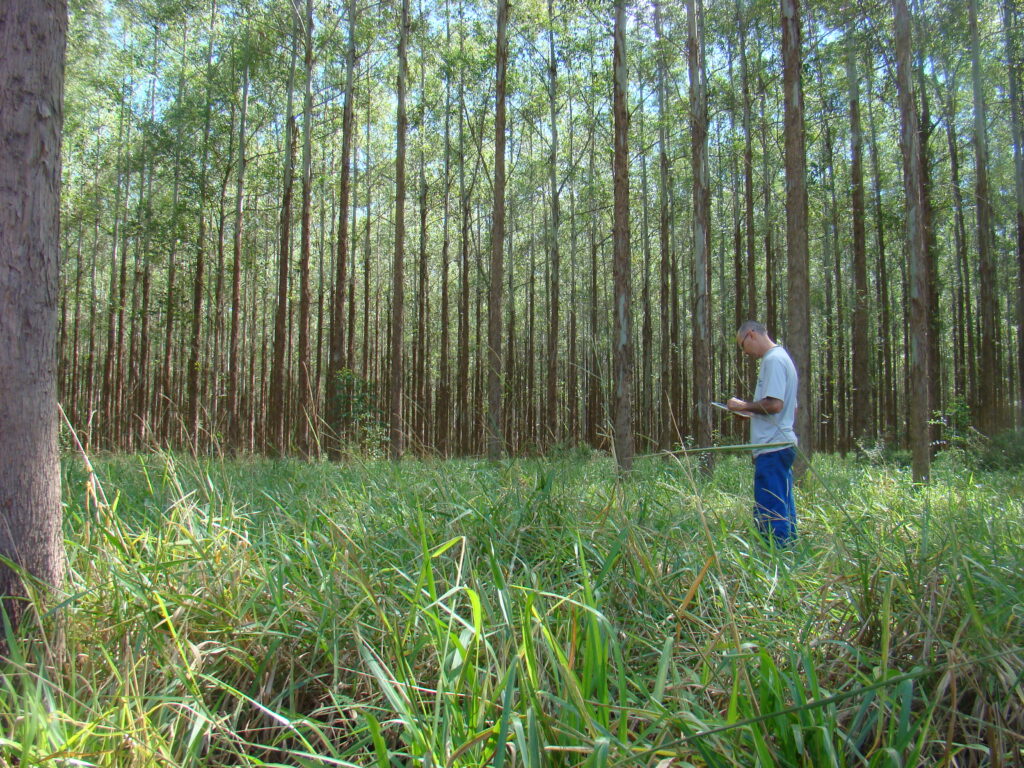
774, 509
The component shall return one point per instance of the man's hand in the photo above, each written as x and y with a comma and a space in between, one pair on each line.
735, 404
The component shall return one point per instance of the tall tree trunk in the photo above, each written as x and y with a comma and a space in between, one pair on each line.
771, 278
276, 413
365, 367
442, 417
551, 427
910, 144
829, 419
337, 358
987, 408
668, 427
963, 349
33, 36
646, 426
702, 361
162, 399
111, 372
192, 414
233, 414
935, 372
463, 413
396, 428
861, 350
420, 388
306, 402
749, 369
887, 389
798, 338
494, 309
593, 374
1015, 60
622, 345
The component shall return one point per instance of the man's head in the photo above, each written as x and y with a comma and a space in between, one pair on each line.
752, 337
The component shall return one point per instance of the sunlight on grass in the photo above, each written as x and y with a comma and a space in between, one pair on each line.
254, 612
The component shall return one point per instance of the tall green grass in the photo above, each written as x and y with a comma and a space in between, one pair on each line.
529, 613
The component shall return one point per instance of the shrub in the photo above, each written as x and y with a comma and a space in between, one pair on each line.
1004, 451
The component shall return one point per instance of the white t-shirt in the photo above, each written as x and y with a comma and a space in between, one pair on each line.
776, 378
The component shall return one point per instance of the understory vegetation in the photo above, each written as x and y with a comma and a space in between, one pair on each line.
524, 613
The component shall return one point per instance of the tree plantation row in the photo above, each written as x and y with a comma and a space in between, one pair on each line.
300, 226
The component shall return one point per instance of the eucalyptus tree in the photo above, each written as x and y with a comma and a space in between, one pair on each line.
306, 406
277, 413
669, 425
798, 327
1015, 66
338, 360
551, 414
909, 140
396, 428
988, 369
31, 120
622, 344
199, 278
234, 366
861, 406
494, 314
702, 349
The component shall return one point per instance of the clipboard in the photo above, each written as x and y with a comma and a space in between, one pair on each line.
725, 408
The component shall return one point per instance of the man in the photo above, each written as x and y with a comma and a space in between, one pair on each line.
771, 413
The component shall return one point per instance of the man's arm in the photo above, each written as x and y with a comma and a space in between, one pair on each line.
766, 406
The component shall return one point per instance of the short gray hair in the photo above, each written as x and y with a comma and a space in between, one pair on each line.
752, 325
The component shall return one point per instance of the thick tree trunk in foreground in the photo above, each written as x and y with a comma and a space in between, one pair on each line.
32, 36
622, 343
909, 142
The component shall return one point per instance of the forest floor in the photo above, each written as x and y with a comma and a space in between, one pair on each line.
529, 612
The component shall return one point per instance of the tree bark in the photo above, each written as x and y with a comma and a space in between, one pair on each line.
1015, 60
861, 350
622, 346
233, 415
337, 361
276, 416
305, 412
987, 407
396, 428
494, 309
551, 427
198, 286
32, 36
918, 287
749, 369
702, 361
668, 427
798, 332
442, 417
